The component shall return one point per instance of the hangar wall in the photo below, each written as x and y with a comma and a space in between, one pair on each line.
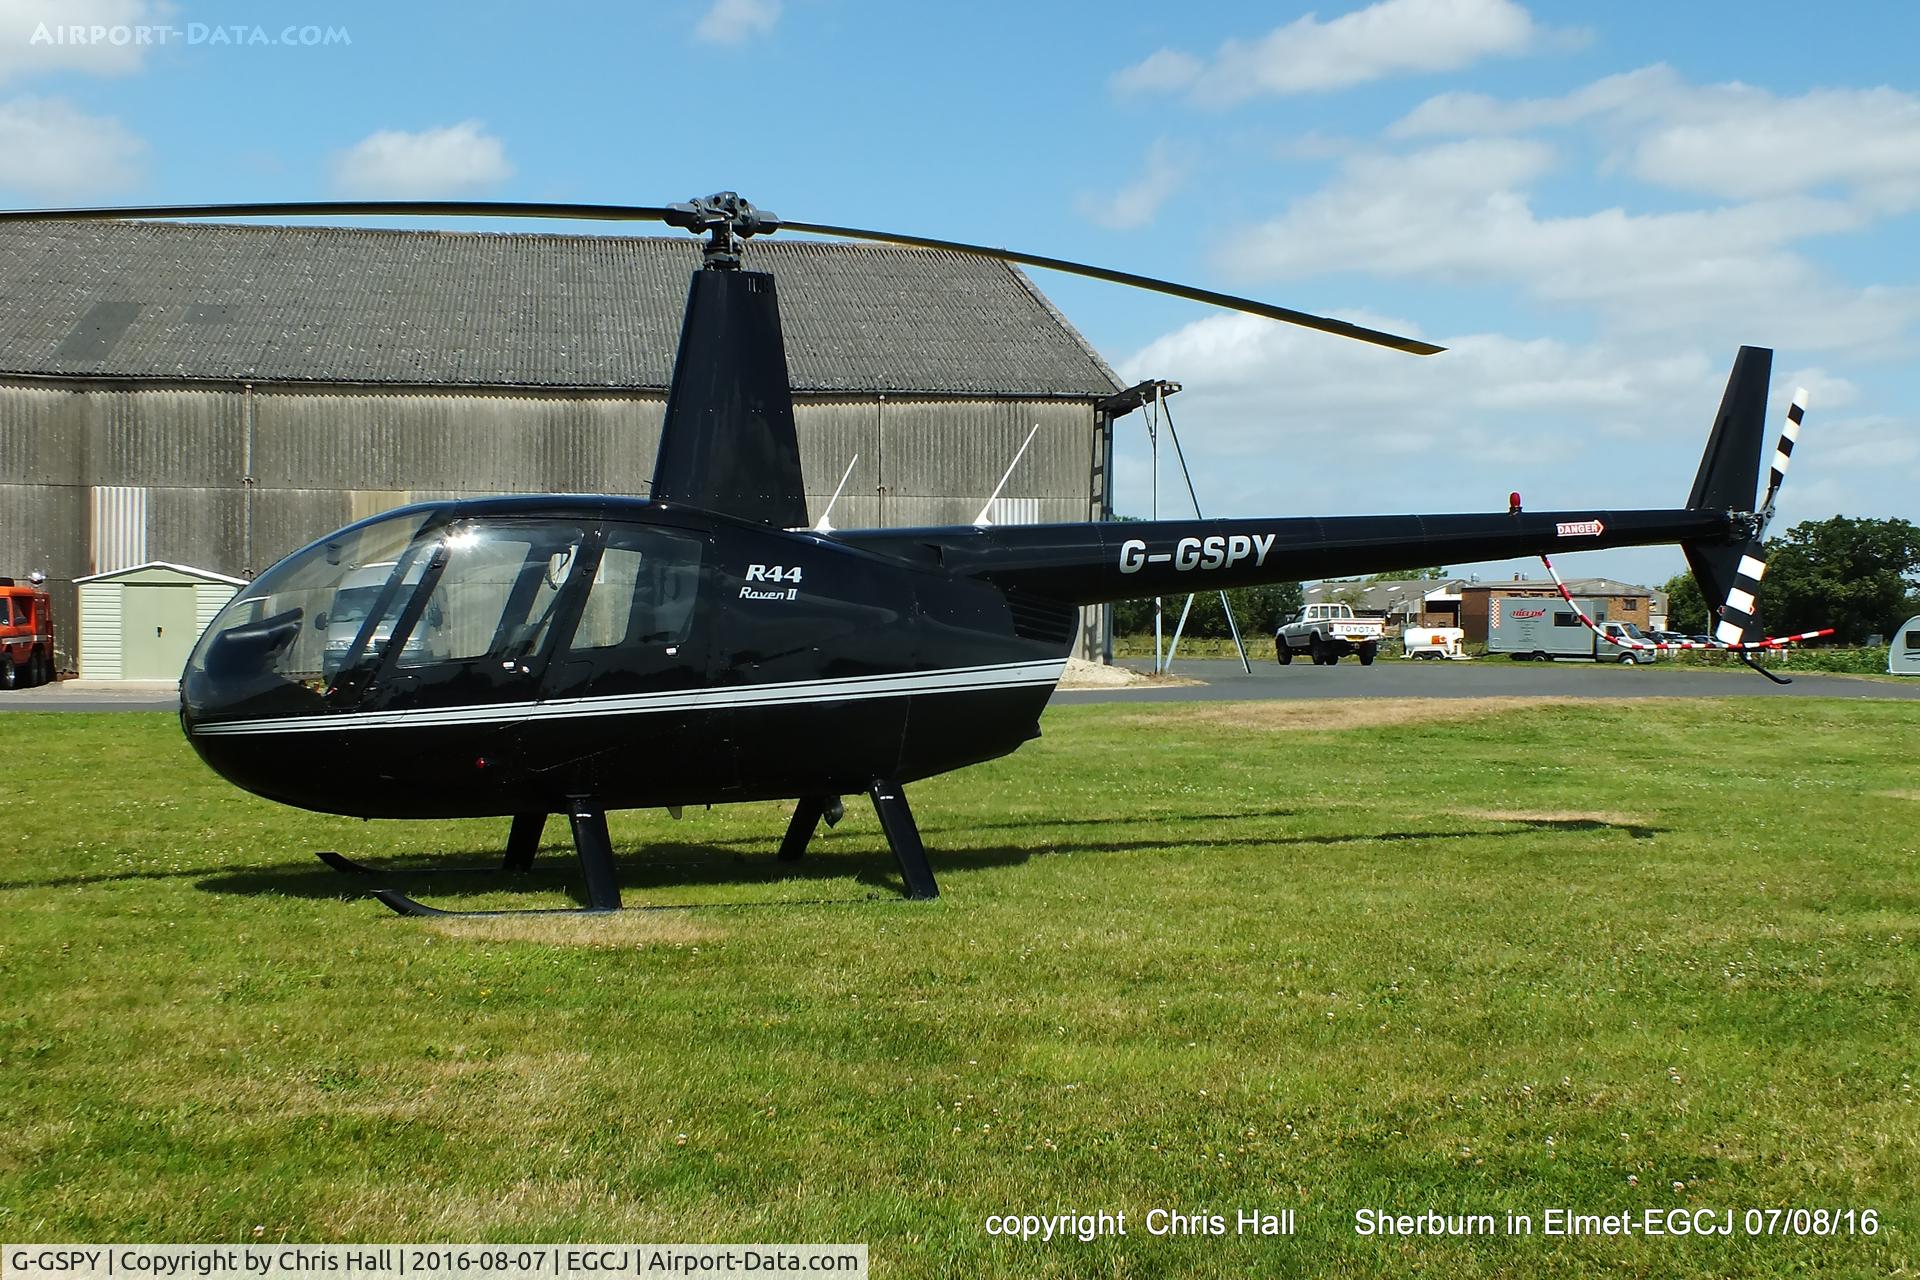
96, 476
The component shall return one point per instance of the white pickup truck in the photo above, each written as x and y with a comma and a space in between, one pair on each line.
1326, 633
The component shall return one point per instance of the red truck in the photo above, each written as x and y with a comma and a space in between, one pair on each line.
26, 634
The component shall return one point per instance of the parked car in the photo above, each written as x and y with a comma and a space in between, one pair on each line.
1327, 633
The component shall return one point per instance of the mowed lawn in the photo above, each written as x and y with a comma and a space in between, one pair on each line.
1497, 957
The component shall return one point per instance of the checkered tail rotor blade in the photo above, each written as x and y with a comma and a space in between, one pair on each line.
1739, 615
1783, 454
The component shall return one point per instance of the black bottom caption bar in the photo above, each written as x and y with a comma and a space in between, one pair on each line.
426, 1262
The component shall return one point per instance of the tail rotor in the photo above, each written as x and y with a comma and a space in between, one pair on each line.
1730, 573
1739, 623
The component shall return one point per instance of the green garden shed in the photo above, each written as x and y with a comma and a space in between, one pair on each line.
140, 623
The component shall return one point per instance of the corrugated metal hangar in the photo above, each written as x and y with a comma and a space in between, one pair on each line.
216, 396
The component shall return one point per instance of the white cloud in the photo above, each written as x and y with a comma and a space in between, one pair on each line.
1729, 140
1825, 391
1364, 429
736, 21
1461, 213
1855, 466
101, 37
1230, 356
1307, 55
1859, 444
456, 160
52, 150
1280, 420
1741, 142
1161, 174
1632, 93
1164, 70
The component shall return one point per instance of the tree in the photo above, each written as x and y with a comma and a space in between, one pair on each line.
1859, 576
1434, 573
1347, 591
1686, 607
1258, 610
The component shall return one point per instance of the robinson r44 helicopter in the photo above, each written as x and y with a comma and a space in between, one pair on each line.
532, 655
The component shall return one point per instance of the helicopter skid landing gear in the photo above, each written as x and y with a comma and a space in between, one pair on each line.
590, 841
523, 842
903, 837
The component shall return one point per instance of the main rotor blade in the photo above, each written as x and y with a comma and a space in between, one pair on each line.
1326, 324
655, 213
351, 208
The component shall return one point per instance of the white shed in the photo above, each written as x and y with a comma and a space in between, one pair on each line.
141, 623
1903, 655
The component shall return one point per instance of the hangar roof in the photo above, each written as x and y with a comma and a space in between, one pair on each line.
147, 300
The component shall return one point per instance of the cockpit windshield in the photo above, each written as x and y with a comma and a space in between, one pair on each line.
269, 649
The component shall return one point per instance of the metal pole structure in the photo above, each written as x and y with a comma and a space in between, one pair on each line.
1225, 607
1178, 627
1153, 437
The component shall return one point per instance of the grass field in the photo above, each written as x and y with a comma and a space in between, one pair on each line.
1525, 956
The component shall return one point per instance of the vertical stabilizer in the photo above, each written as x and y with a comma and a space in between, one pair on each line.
1730, 468
1729, 573
728, 443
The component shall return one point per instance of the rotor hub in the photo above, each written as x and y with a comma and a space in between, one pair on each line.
727, 221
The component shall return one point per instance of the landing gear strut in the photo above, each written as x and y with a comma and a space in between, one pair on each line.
903, 837
896, 820
806, 820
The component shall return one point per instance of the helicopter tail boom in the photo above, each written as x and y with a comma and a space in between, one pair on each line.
1097, 563
1718, 529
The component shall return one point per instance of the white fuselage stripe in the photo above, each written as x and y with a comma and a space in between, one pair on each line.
853, 689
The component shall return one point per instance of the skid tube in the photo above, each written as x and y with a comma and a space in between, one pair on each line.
590, 841
523, 842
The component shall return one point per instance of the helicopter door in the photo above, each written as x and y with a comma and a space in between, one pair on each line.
626, 701
475, 632
816, 649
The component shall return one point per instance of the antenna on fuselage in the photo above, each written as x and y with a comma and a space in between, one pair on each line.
821, 525
983, 520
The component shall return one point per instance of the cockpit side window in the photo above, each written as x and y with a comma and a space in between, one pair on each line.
643, 592
493, 592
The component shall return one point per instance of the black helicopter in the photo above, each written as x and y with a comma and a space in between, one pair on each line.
525, 656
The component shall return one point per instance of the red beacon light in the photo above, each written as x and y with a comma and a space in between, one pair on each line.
1513, 503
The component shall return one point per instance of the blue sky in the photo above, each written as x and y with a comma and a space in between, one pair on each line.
1593, 205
